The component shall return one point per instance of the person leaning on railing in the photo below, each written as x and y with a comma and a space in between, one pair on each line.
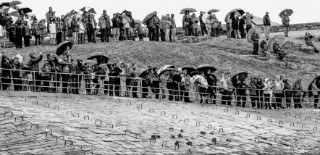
278, 92
297, 93
267, 93
226, 85
46, 75
16, 74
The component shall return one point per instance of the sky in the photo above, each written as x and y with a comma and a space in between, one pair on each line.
305, 11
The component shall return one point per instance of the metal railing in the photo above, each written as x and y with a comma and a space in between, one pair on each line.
91, 84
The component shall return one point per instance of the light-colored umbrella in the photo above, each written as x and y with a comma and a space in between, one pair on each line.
13, 12
191, 10
256, 29
288, 11
138, 21
271, 41
165, 67
19, 56
213, 11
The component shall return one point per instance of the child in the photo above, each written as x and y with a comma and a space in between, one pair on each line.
255, 40
53, 31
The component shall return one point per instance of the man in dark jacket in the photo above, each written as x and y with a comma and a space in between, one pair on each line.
34, 66
116, 26
267, 24
18, 34
16, 74
202, 24
255, 40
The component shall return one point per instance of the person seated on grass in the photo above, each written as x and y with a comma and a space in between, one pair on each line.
277, 49
308, 39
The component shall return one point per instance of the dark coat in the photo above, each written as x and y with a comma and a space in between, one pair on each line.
115, 22
266, 20
34, 63
235, 23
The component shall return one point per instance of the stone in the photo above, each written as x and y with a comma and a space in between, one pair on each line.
292, 65
271, 61
307, 49
288, 46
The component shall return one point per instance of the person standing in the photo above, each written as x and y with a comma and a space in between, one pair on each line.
64, 27
91, 28
287, 93
194, 21
116, 27
278, 92
26, 34
267, 93
103, 26
249, 22
59, 27
228, 21
49, 15
186, 22
36, 32
52, 31
75, 29
126, 26
297, 93
267, 24
81, 35
235, 26
173, 29
34, 66
255, 41
42, 30
202, 24
286, 23
18, 33
242, 29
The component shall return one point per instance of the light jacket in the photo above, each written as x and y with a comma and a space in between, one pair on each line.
126, 22
104, 22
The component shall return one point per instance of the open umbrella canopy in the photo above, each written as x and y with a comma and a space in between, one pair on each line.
241, 11
99, 56
15, 3
150, 15
19, 56
168, 70
85, 9
62, 47
164, 67
13, 12
25, 10
271, 41
206, 67
288, 11
191, 10
213, 11
145, 72
256, 29
189, 69
194, 73
90, 62
92, 11
5, 4
241, 76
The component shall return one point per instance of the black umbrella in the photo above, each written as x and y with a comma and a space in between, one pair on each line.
25, 10
191, 10
194, 73
62, 47
241, 76
150, 15
189, 69
144, 73
128, 13
241, 11
92, 11
99, 56
206, 67
5, 4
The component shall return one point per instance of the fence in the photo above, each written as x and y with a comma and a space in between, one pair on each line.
91, 84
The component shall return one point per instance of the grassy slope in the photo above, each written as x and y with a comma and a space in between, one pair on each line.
222, 53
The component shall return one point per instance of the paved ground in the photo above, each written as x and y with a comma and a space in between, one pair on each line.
124, 126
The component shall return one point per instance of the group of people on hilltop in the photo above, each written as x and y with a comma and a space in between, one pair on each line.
163, 29
238, 25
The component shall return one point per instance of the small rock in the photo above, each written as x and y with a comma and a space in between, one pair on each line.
271, 61
203, 133
173, 137
180, 135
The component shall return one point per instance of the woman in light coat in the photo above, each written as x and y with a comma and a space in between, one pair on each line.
278, 92
126, 26
267, 93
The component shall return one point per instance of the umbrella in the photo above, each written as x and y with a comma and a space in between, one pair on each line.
15, 3
289, 12
271, 41
137, 21
198, 79
14, 12
242, 77
15, 7
189, 69
206, 67
25, 10
257, 30
99, 56
19, 56
85, 9
241, 11
167, 70
42, 21
128, 13
164, 67
213, 10
187, 9
194, 73
144, 72
150, 15
5, 4
92, 11
62, 47
90, 62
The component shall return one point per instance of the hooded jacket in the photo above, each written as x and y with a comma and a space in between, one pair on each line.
266, 20
34, 62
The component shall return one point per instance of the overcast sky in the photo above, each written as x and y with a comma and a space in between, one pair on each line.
304, 10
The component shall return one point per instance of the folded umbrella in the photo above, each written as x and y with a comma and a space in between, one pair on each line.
191, 10
15, 3
150, 15
25, 10
99, 56
206, 67
288, 11
213, 11
62, 47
